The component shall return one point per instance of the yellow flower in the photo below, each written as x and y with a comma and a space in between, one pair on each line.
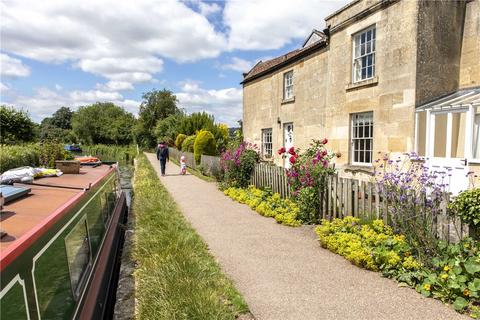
466, 293
446, 268
427, 286
444, 276
466, 245
407, 254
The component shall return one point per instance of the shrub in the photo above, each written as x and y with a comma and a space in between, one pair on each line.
179, 141
238, 164
51, 151
307, 173
188, 143
453, 275
267, 204
467, 206
204, 144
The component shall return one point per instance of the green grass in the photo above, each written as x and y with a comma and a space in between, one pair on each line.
176, 277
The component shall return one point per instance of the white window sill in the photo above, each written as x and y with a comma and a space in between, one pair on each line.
362, 84
474, 161
289, 100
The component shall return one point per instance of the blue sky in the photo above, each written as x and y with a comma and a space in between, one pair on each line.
70, 53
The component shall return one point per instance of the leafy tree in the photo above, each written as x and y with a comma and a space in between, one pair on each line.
62, 118
196, 122
103, 123
15, 125
156, 105
167, 129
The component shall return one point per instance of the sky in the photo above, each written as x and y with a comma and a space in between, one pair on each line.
74, 53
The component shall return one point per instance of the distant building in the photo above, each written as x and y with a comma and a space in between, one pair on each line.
383, 77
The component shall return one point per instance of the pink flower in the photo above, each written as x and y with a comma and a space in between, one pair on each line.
281, 150
293, 159
292, 151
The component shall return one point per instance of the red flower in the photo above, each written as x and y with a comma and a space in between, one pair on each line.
324, 153
291, 151
293, 160
324, 141
281, 150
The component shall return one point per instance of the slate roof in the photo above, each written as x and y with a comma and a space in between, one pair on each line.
265, 67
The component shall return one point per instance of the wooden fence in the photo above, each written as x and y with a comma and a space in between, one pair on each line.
211, 165
271, 176
342, 197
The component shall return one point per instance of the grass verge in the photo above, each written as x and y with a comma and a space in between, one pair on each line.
176, 277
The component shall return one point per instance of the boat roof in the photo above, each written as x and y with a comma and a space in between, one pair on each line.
27, 218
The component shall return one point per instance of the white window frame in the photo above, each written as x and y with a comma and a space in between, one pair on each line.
288, 85
357, 60
469, 132
354, 137
267, 143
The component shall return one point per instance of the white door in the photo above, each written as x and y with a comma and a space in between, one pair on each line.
287, 141
447, 149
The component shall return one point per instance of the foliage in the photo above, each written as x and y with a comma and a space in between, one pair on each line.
15, 126
188, 143
179, 141
156, 105
62, 118
167, 129
204, 144
414, 196
203, 121
372, 246
238, 164
111, 152
176, 276
467, 206
267, 204
33, 155
307, 174
453, 275
103, 123
50, 132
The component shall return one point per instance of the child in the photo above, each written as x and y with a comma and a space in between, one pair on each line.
183, 165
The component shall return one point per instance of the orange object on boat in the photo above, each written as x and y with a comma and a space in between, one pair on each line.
87, 159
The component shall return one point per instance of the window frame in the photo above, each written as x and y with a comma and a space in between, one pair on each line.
373, 51
353, 139
265, 143
285, 86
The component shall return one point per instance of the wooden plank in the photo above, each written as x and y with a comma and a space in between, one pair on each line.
329, 198
377, 202
335, 198
355, 198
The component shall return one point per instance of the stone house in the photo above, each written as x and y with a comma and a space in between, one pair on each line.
382, 77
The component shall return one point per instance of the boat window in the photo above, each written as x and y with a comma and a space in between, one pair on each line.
77, 244
13, 304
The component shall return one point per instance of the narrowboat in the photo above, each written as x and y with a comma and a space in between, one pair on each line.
60, 246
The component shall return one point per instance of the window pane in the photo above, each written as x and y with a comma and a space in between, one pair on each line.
476, 135
458, 135
440, 140
78, 254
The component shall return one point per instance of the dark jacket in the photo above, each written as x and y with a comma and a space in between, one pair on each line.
162, 152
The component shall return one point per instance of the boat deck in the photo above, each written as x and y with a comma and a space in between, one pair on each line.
23, 217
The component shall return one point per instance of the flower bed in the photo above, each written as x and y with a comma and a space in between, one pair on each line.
267, 204
454, 274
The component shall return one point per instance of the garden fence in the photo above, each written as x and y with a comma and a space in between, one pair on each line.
342, 196
274, 177
189, 157
211, 165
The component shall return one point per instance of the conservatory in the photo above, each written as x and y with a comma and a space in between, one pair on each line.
447, 134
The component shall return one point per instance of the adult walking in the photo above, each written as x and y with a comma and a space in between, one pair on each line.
162, 156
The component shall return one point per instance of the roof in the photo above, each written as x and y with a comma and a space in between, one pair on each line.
321, 36
459, 99
25, 219
265, 67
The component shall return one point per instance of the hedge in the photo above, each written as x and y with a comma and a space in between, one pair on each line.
204, 144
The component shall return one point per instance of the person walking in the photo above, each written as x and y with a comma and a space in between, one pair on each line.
162, 156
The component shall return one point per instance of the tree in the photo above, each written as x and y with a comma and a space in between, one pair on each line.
167, 129
196, 122
156, 105
15, 125
62, 118
103, 122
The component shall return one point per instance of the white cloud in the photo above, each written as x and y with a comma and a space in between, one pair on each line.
45, 101
239, 64
270, 24
224, 104
3, 88
207, 9
12, 68
115, 86
122, 41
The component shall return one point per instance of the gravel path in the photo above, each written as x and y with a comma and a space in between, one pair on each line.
282, 272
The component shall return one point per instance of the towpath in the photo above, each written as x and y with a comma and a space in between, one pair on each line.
282, 272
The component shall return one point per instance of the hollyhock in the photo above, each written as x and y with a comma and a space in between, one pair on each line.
324, 141
281, 150
292, 151
293, 159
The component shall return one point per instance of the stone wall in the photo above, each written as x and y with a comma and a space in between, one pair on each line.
439, 44
470, 57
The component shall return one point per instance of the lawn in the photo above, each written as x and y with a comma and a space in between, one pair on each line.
176, 276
